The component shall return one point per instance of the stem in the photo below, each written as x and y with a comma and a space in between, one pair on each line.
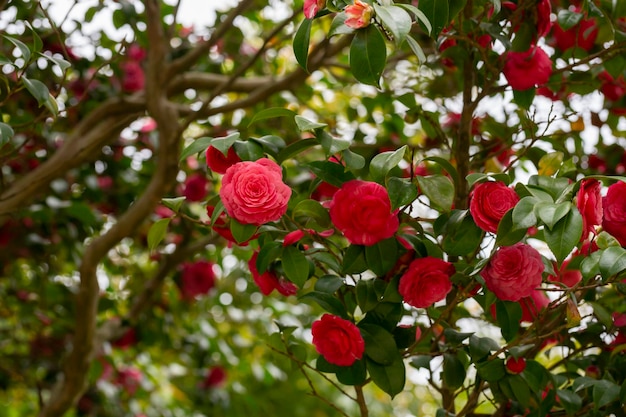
360, 399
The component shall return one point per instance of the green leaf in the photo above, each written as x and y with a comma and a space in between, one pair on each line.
565, 235
329, 284
569, 400
380, 345
356, 374
174, 203
445, 164
508, 315
353, 160
332, 145
439, 190
270, 143
368, 55
524, 98
520, 389
354, 260
305, 124
568, 19
401, 192
270, 114
307, 210
551, 213
462, 236
604, 393
6, 134
295, 265
536, 375
338, 26
453, 371
60, 62
327, 301
331, 172
242, 232
419, 15
480, 347
24, 50
416, 48
523, 215
197, 146
491, 371
268, 253
249, 150
294, 149
225, 143
612, 261
389, 378
301, 43
437, 12
382, 256
497, 6
157, 233
37, 89
454, 337
381, 164
395, 20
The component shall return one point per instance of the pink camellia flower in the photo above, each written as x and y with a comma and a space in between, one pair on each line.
268, 281
426, 281
489, 202
358, 15
362, 211
524, 70
614, 206
311, 7
254, 192
589, 204
338, 340
218, 162
196, 187
513, 272
214, 378
583, 35
613, 89
196, 278
133, 78
129, 379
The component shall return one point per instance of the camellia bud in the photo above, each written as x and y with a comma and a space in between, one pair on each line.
358, 15
515, 366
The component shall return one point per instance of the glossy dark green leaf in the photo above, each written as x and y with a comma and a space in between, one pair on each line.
366, 296
311, 210
570, 401
439, 190
565, 235
395, 19
331, 172
353, 160
423, 20
6, 134
249, 150
612, 261
604, 393
368, 55
551, 213
197, 146
268, 253
492, 370
524, 98
354, 260
24, 50
416, 48
327, 301
382, 163
301, 43
509, 315
329, 284
437, 13
294, 149
462, 237
453, 371
380, 345
382, 256
332, 145
480, 347
305, 124
174, 203
389, 378
225, 143
295, 265
401, 192
523, 215
242, 232
271, 113
567, 18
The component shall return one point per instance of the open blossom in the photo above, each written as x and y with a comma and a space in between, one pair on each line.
426, 281
358, 15
362, 211
589, 204
254, 192
268, 281
338, 340
614, 207
311, 7
489, 202
513, 272
582, 35
524, 70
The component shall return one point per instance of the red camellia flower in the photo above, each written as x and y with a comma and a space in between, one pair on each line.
533, 304
311, 7
614, 206
613, 89
196, 278
489, 202
515, 366
254, 192
589, 204
426, 281
544, 9
337, 340
524, 70
583, 35
268, 281
513, 272
358, 15
564, 275
133, 78
218, 162
362, 211
196, 187
214, 378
